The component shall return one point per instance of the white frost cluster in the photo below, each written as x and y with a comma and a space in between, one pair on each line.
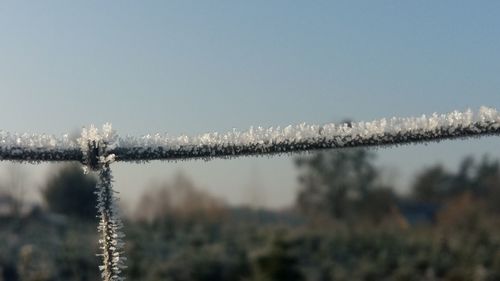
35, 140
96, 145
258, 141
37, 147
106, 135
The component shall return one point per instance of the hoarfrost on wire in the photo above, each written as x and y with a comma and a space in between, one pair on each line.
260, 141
95, 146
255, 141
302, 132
110, 228
97, 149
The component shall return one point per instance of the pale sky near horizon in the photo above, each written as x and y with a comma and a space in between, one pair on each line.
196, 66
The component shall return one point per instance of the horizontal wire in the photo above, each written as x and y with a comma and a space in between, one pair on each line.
40, 154
258, 141
229, 150
303, 137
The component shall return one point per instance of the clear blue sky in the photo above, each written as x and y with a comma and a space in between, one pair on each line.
190, 67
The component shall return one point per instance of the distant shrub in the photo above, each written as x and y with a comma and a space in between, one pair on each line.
71, 192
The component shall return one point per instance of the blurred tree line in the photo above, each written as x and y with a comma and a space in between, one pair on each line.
344, 186
347, 224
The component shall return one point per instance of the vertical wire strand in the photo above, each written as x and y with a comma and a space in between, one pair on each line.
95, 146
110, 225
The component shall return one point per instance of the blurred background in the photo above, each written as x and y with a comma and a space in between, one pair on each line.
424, 212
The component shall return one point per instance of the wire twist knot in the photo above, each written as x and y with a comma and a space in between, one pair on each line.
95, 145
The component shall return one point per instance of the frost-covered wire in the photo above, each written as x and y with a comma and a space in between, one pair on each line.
110, 225
304, 137
256, 140
38, 147
97, 149
95, 145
